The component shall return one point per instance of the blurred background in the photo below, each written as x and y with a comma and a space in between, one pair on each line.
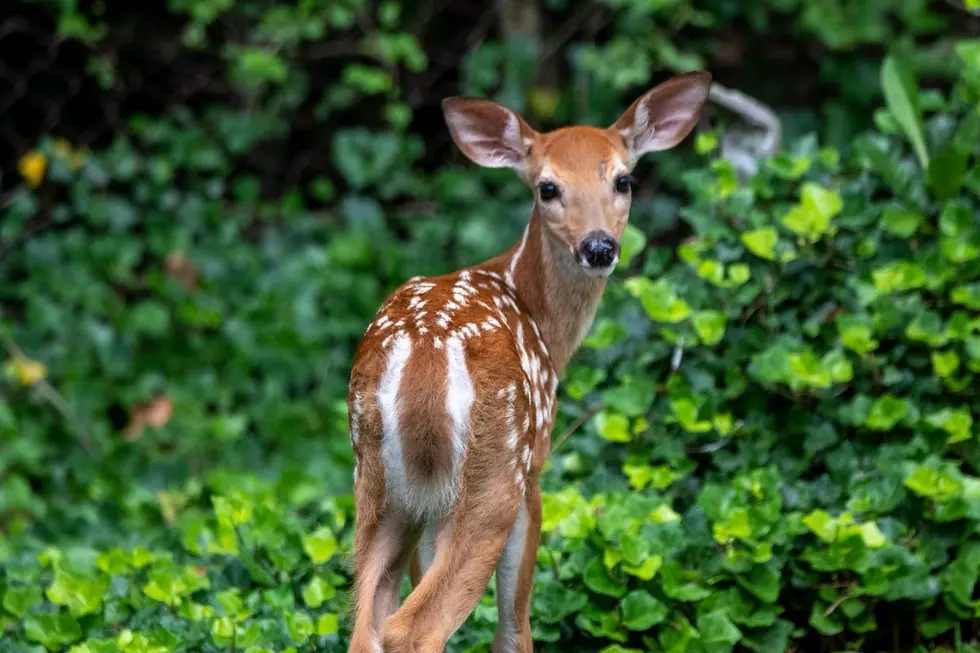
767, 442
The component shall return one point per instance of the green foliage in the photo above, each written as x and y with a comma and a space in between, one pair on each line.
771, 437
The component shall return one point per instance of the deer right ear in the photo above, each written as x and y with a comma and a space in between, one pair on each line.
488, 134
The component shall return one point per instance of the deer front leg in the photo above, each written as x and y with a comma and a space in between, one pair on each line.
515, 577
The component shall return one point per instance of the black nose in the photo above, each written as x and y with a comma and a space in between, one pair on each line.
599, 249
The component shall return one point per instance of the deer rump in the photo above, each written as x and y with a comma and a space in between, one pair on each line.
442, 418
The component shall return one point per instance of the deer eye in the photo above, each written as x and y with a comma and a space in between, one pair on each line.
548, 190
623, 183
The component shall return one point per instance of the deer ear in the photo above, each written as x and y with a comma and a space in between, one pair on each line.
489, 134
664, 116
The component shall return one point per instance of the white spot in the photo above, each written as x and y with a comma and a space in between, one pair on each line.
355, 418
511, 413
509, 275
459, 399
391, 445
437, 342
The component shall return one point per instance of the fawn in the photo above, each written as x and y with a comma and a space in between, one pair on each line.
453, 388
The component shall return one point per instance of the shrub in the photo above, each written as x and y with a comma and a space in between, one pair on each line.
766, 444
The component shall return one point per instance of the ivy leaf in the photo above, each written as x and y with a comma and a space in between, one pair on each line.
641, 611
900, 222
710, 326
19, 600
299, 625
717, 628
320, 545
598, 580
53, 631
762, 242
811, 218
632, 243
945, 363
327, 624
659, 298
612, 426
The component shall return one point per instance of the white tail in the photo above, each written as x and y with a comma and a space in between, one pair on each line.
453, 390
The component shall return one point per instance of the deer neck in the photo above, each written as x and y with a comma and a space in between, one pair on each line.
561, 298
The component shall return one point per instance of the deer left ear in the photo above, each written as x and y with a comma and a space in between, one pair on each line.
664, 116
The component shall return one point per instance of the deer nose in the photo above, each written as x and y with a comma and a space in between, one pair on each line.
599, 249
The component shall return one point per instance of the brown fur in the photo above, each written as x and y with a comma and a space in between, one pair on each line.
518, 318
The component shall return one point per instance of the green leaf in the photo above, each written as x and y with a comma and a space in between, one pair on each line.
19, 600
710, 326
318, 591
598, 580
945, 363
659, 298
320, 545
886, 412
299, 625
613, 426
82, 596
717, 628
327, 624
641, 611
552, 602
856, 334
53, 631
762, 242
687, 414
822, 524
664, 514
958, 423
948, 172
812, 217
900, 221
901, 94
632, 243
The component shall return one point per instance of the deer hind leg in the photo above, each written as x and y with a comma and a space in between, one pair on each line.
425, 553
384, 544
515, 577
467, 550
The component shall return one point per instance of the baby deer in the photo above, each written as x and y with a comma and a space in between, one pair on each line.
452, 393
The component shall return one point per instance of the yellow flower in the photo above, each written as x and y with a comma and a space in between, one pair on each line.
26, 371
32, 167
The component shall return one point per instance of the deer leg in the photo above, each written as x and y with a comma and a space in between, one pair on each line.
425, 553
515, 577
384, 544
467, 551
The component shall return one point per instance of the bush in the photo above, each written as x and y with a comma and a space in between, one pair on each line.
767, 442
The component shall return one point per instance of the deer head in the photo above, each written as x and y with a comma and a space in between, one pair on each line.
581, 174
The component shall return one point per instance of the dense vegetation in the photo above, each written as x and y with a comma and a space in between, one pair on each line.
768, 442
